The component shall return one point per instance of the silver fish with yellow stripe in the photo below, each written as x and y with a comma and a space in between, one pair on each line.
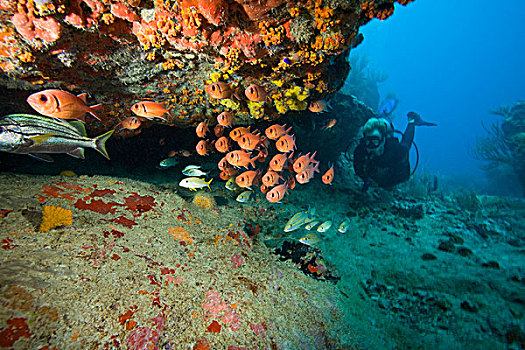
244, 197
325, 226
343, 227
311, 239
311, 225
194, 183
299, 219
36, 135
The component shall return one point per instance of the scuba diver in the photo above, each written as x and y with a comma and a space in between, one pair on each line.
380, 156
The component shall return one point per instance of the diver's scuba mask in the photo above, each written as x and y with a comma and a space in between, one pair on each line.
375, 143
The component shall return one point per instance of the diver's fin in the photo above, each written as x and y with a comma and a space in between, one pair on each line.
41, 138
41, 157
79, 125
77, 153
100, 143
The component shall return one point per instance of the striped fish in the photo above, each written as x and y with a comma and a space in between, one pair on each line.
193, 183
34, 135
299, 219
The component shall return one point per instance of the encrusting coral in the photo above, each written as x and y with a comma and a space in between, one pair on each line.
53, 216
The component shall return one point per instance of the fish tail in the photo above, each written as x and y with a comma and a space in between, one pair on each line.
100, 143
94, 107
209, 182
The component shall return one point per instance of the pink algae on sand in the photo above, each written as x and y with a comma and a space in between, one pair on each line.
237, 260
217, 308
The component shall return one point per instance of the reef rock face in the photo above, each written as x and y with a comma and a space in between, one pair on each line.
170, 51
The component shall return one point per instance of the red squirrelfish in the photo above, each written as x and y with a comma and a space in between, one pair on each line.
246, 178
61, 104
303, 162
223, 164
271, 178
219, 90
275, 131
202, 148
225, 119
249, 141
319, 106
222, 144
218, 130
330, 124
240, 159
286, 143
202, 129
256, 93
236, 133
306, 175
278, 161
328, 177
277, 193
130, 123
150, 110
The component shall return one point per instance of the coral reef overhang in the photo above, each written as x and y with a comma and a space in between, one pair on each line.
168, 51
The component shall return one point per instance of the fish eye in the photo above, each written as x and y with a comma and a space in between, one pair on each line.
43, 98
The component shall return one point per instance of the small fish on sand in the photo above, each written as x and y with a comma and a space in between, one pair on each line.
36, 135
244, 197
194, 172
168, 163
325, 226
194, 183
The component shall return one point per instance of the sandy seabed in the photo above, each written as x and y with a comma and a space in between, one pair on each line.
141, 267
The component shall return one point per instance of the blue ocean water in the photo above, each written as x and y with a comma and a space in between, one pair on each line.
452, 62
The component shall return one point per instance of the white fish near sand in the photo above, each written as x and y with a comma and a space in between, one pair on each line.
194, 183
194, 172
190, 167
325, 226
244, 197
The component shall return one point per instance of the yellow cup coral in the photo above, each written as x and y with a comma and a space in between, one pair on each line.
204, 200
53, 216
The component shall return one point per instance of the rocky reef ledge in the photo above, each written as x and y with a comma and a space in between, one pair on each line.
120, 52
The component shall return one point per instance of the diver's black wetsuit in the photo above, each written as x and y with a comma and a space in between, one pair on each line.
390, 168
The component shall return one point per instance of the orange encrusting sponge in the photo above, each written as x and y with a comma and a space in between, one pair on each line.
53, 216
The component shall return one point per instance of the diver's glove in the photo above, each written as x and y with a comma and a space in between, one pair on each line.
414, 118
366, 185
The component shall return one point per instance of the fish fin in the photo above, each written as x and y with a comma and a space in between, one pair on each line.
83, 97
41, 157
41, 138
209, 182
100, 143
77, 153
94, 107
79, 125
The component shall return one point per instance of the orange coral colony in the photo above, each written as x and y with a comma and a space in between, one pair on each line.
53, 217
